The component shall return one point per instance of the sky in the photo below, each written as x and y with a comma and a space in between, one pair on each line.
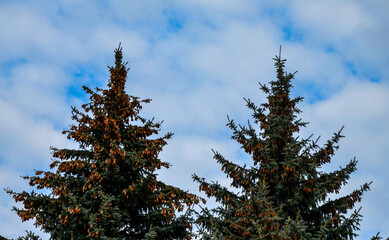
196, 60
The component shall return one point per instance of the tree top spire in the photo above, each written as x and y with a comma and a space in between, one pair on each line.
119, 56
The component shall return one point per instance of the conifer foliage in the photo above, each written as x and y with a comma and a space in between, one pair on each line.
108, 188
284, 194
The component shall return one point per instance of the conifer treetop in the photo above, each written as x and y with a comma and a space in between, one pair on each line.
119, 56
108, 188
284, 190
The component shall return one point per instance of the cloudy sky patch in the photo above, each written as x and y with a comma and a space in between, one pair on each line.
196, 59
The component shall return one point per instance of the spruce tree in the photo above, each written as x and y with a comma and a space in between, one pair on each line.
289, 168
108, 188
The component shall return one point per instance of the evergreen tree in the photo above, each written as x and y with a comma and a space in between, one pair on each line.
377, 237
108, 188
29, 236
290, 168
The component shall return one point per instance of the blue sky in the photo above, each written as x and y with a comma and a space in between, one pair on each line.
196, 59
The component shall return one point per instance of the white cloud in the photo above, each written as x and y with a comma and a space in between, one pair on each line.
38, 90
355, 29
196, 73
238, 54
337, 19
25, 141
